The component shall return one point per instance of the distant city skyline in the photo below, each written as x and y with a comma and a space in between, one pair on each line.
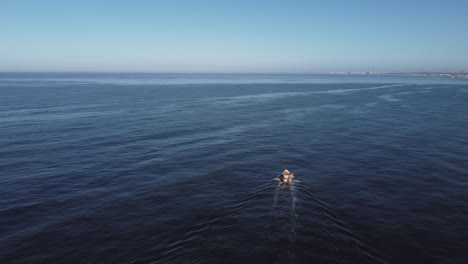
233, 37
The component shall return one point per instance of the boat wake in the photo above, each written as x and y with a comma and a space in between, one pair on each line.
285, 222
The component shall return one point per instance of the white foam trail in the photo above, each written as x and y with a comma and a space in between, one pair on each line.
334, 106
389, 98
343, 91
252, 98
371, 104
275, 197
242, 100
404, 93
293, 208
59, 116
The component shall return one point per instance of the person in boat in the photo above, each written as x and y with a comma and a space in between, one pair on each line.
286, 176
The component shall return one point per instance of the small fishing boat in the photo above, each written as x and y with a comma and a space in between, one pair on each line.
286, 177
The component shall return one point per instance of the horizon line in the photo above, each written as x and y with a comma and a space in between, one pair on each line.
368, 72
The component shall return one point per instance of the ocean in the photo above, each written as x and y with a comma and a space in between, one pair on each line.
171, 168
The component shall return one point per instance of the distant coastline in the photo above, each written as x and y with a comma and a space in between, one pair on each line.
451, 75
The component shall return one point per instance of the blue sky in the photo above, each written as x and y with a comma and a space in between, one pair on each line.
233, 36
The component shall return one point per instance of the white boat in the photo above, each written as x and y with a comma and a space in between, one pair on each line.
286, 176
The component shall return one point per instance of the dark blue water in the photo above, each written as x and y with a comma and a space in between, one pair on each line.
180, 169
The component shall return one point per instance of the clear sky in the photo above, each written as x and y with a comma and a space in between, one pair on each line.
299, 36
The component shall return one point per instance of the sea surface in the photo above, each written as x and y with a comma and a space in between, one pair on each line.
168, 168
